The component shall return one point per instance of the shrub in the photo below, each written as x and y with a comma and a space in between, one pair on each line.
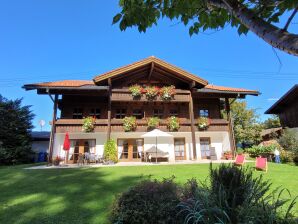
153, 122
173, 123
129, 123
289, 141
110, 151
286, 156
88, 124
147, 202
235, 196
258, 150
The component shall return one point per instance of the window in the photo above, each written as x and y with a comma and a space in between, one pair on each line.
139, 114
77, 113
95, 113
120, 113
179, 148
203, 113
158, 113
205, 148
174, 112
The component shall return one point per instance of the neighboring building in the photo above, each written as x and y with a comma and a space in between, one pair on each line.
108, 99
287, 108
40, 144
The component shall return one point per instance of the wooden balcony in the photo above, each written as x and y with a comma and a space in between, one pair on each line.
75, 125
120, 95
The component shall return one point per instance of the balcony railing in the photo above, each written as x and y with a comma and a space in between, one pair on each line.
101, 125
125, 95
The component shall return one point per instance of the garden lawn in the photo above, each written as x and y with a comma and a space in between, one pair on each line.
85, 195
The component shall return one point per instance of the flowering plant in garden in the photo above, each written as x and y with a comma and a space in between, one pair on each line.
136, 90
173, 123
203, 122
167, 92
153, 122
57, 161
129, 123
151, 92
88, 124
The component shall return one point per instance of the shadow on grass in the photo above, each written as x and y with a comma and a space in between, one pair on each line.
59, 195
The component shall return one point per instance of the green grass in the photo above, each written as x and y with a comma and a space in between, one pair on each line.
84, 195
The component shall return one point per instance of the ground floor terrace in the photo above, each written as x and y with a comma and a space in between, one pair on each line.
134, 147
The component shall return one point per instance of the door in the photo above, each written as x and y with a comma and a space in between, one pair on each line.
131, 149
179, 147
205, 148
80, 147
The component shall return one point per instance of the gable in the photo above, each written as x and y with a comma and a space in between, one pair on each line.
150, 70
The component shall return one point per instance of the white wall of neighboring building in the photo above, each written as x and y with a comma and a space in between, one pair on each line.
219, 140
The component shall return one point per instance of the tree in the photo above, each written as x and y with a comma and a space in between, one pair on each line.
272, 122
257, 16
289, 140
246, 126
15, 138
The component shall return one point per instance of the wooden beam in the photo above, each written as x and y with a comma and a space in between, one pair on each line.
53, 129
192, 127
231, 126
150, 72
109, 109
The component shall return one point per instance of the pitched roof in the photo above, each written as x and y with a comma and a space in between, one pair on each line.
63, 83
147, 61
225, 89
288, 98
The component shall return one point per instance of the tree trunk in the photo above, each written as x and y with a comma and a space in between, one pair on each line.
276, 37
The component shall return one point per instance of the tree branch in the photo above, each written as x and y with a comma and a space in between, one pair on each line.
290, 18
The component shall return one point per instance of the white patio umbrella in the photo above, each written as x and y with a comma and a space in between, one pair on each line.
154, 134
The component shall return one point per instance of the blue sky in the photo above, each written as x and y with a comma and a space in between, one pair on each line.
72, 39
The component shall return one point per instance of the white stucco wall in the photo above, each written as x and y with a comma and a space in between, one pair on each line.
219, 140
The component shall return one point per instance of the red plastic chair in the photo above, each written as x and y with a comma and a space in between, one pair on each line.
261, 164
239, 161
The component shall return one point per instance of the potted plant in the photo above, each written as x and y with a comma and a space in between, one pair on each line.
129, 123
203, 122
228, 155
88, 124
136, 91
151, 92
56, 161
153, 122
173, 123
167, 92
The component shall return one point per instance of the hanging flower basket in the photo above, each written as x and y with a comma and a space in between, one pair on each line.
153, 122
88, 124
173, 123
129, 124
136, 91
203, 123
151, 92
167, 92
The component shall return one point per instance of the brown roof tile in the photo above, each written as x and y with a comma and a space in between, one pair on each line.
229, 89
63, 83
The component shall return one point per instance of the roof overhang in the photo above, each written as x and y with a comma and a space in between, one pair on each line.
154, 63
288, 98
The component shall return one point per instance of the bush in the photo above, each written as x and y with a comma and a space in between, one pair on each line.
110, 151
147, 202
260, 150
289, 140
235, 196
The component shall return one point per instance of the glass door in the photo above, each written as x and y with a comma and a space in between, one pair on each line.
205, 148
179, 147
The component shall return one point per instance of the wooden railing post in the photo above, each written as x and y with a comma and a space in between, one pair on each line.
192, 126
53, 129
231, 127
109, 109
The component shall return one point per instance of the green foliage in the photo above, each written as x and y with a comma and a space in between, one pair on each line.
16, 125
136, 90
246, 126
289, 140
198, 15
147, 202
203, 122
88, 124
173, 123
235, 196
110, 151
153, 122
258, 150
129, 123
271, 122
